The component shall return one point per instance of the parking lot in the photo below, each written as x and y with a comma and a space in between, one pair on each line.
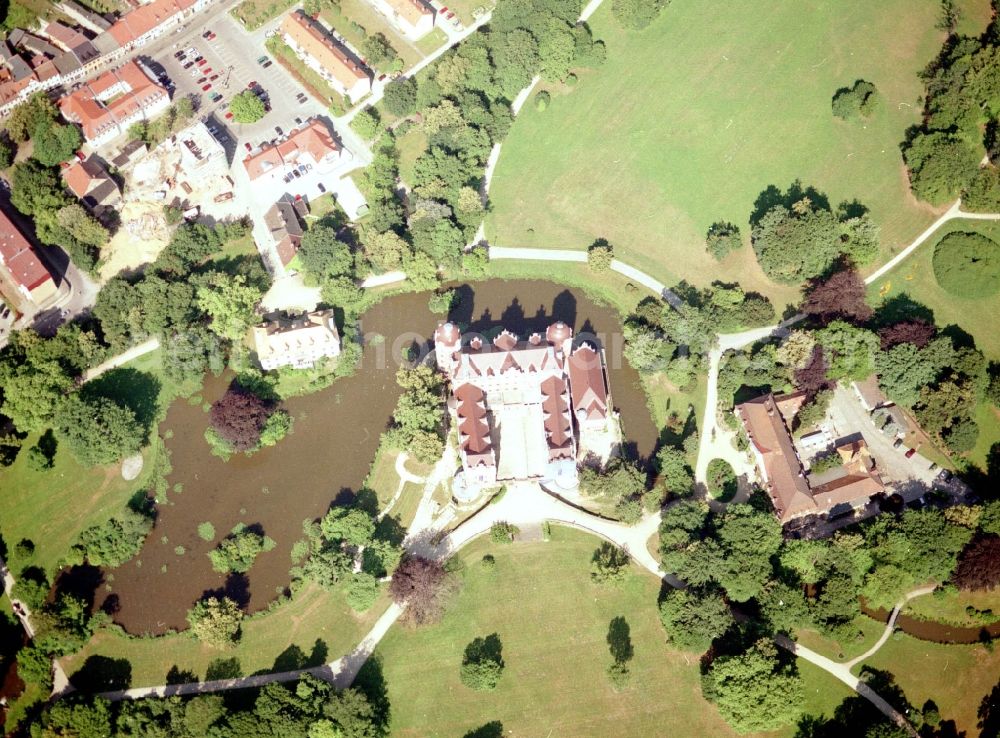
232, 56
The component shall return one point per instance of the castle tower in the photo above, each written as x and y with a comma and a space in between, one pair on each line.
447, 343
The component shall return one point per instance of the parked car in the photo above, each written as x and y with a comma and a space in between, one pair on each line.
189, 65
178, 55
202, 63
910, 453
201, 80
296, 173
248, 146
298, 121
897, 443
321, 187
229, 115
206, 34
266, 64
252, 84
199, 59
381, 78
213, 78
277, 129
261, 59
207, 70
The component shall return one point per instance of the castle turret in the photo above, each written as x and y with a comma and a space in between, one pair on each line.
447, 343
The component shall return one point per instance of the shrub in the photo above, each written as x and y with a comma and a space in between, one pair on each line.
37, 460
237, 551
97, 430
722, 239
979, 564
600, 256
216, 621
856, 101
967, 265
206, 531
366, 123
488, 562
503, 533
422, 585
619, 675
635, 15
941, 166
983, 193
117, 540
542, 100
482, 664
442, 302
608, 564
721, 479
361, 591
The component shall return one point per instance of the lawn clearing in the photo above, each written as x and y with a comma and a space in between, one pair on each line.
950, 607
553, 623
315, 627
348, 15
432, 41
411, 145
956, 677
691, 119
869, 631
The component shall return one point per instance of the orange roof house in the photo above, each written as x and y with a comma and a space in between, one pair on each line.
140, 24
327, 56
21, 270
312, 145
793, 492
106, 106
92, 184
413, 18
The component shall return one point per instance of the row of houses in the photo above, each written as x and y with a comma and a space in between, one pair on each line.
62, 56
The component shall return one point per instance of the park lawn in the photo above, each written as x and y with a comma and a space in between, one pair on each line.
317, 622
949, 606
405, 509
977, 317
973, 16
690, 120
870, 630
553, 623
410, 146
431, 42
52, 507
823, 693
372, 22
956, 677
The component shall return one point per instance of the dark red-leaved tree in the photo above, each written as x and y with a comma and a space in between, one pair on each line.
979, 564
422, 585
811, 378
917, 332
840, 297
239, 416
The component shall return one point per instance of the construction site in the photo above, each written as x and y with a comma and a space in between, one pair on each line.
188, 172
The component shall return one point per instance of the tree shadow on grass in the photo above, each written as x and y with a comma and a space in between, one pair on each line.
294, 658
989, 714
492, 729
223, 669
177, 675
371, 682
101, 674
620, 640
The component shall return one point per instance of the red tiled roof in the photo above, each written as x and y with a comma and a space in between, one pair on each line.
20, 257
314, 139
79, 176
411, 10
143, 19
556, 419
85, 106
473, 428
318, 43
587, 385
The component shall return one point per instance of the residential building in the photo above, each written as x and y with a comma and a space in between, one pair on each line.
514, 403
302, 149
24, 279
152, 20
793, 492
297, 342
105, 107
92, 184
325, 55
413, 18
83, 16
284, 226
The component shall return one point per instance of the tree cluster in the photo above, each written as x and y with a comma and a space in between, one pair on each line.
308, 707
237, 551
37, 192
418, 419
241, 421
621, 483
797, 236
857, 101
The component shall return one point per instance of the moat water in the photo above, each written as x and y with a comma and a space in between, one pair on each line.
327, 457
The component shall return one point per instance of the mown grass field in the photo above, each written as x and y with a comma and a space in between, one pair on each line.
315, 627
957, 678
950, 606
977, 317
553, 623
691, 119
869, 631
